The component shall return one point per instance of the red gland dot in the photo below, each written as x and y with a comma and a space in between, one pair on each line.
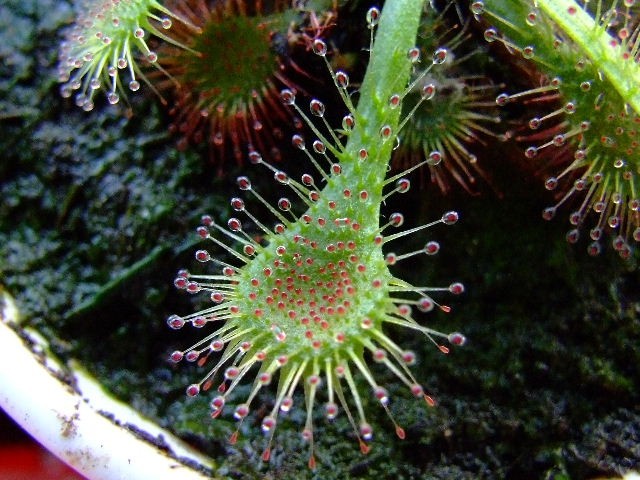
413, 54
175, 322
379, 355
268, 424
396, 219
284, 204
317, 107
403, 185
254, 157
192, 356
425, 304
457, 338
176, 356
331, 410
381, 395
450, 218
548, 213
431, 248
281, 177
408, 357
417, 390
217, 297
366, 323
287, 403
435, 158
217, 403
237, 204
199, 322
282, 360
234, 225
180, 282
193, 390
366, 431
298, 142
243, 183
348, 122
319, 47
319, 147
203, 232
241, 411
429, 91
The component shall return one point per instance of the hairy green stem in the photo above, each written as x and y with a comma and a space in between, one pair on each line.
388, 73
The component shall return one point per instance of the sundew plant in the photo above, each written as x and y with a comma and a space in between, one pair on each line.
587, 56
227, 94
308, 304
107, 38
302, 288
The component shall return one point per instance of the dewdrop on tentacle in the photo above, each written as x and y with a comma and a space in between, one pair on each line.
301, 296
586, 144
